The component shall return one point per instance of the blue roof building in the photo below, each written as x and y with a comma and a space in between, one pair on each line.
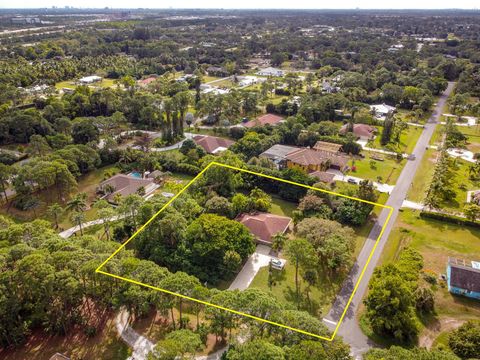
463, 278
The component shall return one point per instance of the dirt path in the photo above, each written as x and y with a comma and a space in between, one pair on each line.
431, 332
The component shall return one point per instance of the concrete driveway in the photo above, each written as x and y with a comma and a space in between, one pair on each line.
260, 258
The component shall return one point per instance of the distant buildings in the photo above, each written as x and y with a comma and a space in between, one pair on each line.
146, 81
217, 71
25, 20
212, 144
270, 71
463, 278
267, 119
89, 79
265, 226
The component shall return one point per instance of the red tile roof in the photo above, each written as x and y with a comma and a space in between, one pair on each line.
306, 157
264, 226
270, 119
212, 144
147, 80
360, 130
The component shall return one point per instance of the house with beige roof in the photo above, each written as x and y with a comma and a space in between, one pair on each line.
267, 119
212, 144
312, 160
125, 185
361, 131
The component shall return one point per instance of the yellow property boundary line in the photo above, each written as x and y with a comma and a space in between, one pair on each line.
213, 163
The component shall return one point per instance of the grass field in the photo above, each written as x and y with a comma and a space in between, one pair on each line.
70, 84
389, 170
282, 207
423, 177
407, 143
437, 241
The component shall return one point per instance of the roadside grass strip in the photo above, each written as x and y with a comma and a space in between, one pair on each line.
100, 271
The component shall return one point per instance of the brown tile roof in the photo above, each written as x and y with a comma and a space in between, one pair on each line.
360, 130
264, 225
327, 146
323, 176
212, 144
464, 276
270, 119
306, 157
125, 184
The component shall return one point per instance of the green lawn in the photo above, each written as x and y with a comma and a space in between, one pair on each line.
389, 170
437, 241
461, 183
282, 207
70, 84
407, 143
423, 177
283, 289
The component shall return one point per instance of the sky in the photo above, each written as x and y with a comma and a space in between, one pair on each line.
250, 4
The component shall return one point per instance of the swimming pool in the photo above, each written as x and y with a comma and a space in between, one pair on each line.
136, 174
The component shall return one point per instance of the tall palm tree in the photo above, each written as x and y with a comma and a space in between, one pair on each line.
78, 218
78, 203
55, 211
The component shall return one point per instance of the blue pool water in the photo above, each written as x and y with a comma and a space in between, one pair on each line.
136, 174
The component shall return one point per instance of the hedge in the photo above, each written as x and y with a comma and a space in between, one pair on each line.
449, 218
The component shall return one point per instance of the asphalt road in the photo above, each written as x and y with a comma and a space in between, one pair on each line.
349, 328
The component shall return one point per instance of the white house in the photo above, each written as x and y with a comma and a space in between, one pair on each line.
270, 71
90, 79
380, 111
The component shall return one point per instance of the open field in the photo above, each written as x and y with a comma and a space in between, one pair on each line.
407, 143
388, 170
422, 178
70, 84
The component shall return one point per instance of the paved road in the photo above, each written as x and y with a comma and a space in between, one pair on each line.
349, 329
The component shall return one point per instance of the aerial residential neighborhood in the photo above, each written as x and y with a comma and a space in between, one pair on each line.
230, 184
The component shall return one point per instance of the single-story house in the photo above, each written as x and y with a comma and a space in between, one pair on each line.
267, 119
463, 278
361, 131
125, 185
264, 225
145, 82
90, 79
217, 71
327, 146
278, 153
212, 144
314, 160
323, 176
271, 71
380, 111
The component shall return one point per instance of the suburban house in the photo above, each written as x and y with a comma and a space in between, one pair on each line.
361, 131
327, 146
463, 278
312, 160
323, 176
278, 154
264, 225
217, 71
271, 71
89, 79
125, 185
380, 111
145, 82
267, 119
212, 144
